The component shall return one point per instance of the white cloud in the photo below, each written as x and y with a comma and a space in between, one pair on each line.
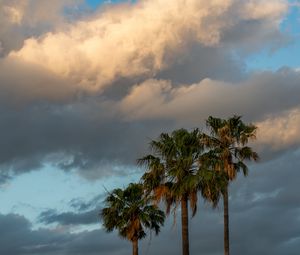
281, 131
257, 9
270, 100
192, 103
21, 19
140, 39
31, 12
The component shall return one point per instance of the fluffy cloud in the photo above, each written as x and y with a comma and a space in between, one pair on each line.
194, 102
141, 39
281, 131
21, 19
277, 119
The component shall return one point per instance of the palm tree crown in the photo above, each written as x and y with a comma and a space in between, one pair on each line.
172, 173
129, 212
172, 167
226, 154
227, 144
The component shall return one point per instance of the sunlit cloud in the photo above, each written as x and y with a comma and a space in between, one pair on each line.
280, 131
191, 103
14, 15
141, 39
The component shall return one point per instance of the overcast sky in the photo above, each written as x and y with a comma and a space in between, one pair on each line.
84, 87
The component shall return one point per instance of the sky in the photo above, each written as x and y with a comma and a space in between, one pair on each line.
86, 85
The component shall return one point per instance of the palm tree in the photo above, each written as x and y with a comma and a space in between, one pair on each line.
172, 174
129, 212
227, 153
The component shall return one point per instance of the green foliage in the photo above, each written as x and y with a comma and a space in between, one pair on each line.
226, 145
174, 171
129, 212
226, 153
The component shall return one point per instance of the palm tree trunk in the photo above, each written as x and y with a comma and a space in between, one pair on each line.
226, 221
135, 249
185, 226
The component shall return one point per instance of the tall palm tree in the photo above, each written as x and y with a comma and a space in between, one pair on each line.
129, 212
172, 174
228, 152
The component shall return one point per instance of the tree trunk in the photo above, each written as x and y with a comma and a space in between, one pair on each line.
135, 249
226, 221
185, 226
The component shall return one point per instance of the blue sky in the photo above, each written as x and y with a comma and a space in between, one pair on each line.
47, 188
81, 99
97, 3
272, 58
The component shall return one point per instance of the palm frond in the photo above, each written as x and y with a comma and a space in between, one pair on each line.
129, 212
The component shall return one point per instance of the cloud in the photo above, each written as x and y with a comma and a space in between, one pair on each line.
69, 218
280, 132
23, 84
189, 105
193, 103
84, 213
87, 135
54, 110
82, 205
97, 135
22, 19
19, 239
141, 39
200, 62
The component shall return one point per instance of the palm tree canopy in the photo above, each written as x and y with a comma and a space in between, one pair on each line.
129, 212
173, 168
226, 153
227, 144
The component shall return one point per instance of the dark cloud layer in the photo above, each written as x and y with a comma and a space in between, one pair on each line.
202, 62
71, 136
81, 205
85, 213
93, 135
17, 238
70, 218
